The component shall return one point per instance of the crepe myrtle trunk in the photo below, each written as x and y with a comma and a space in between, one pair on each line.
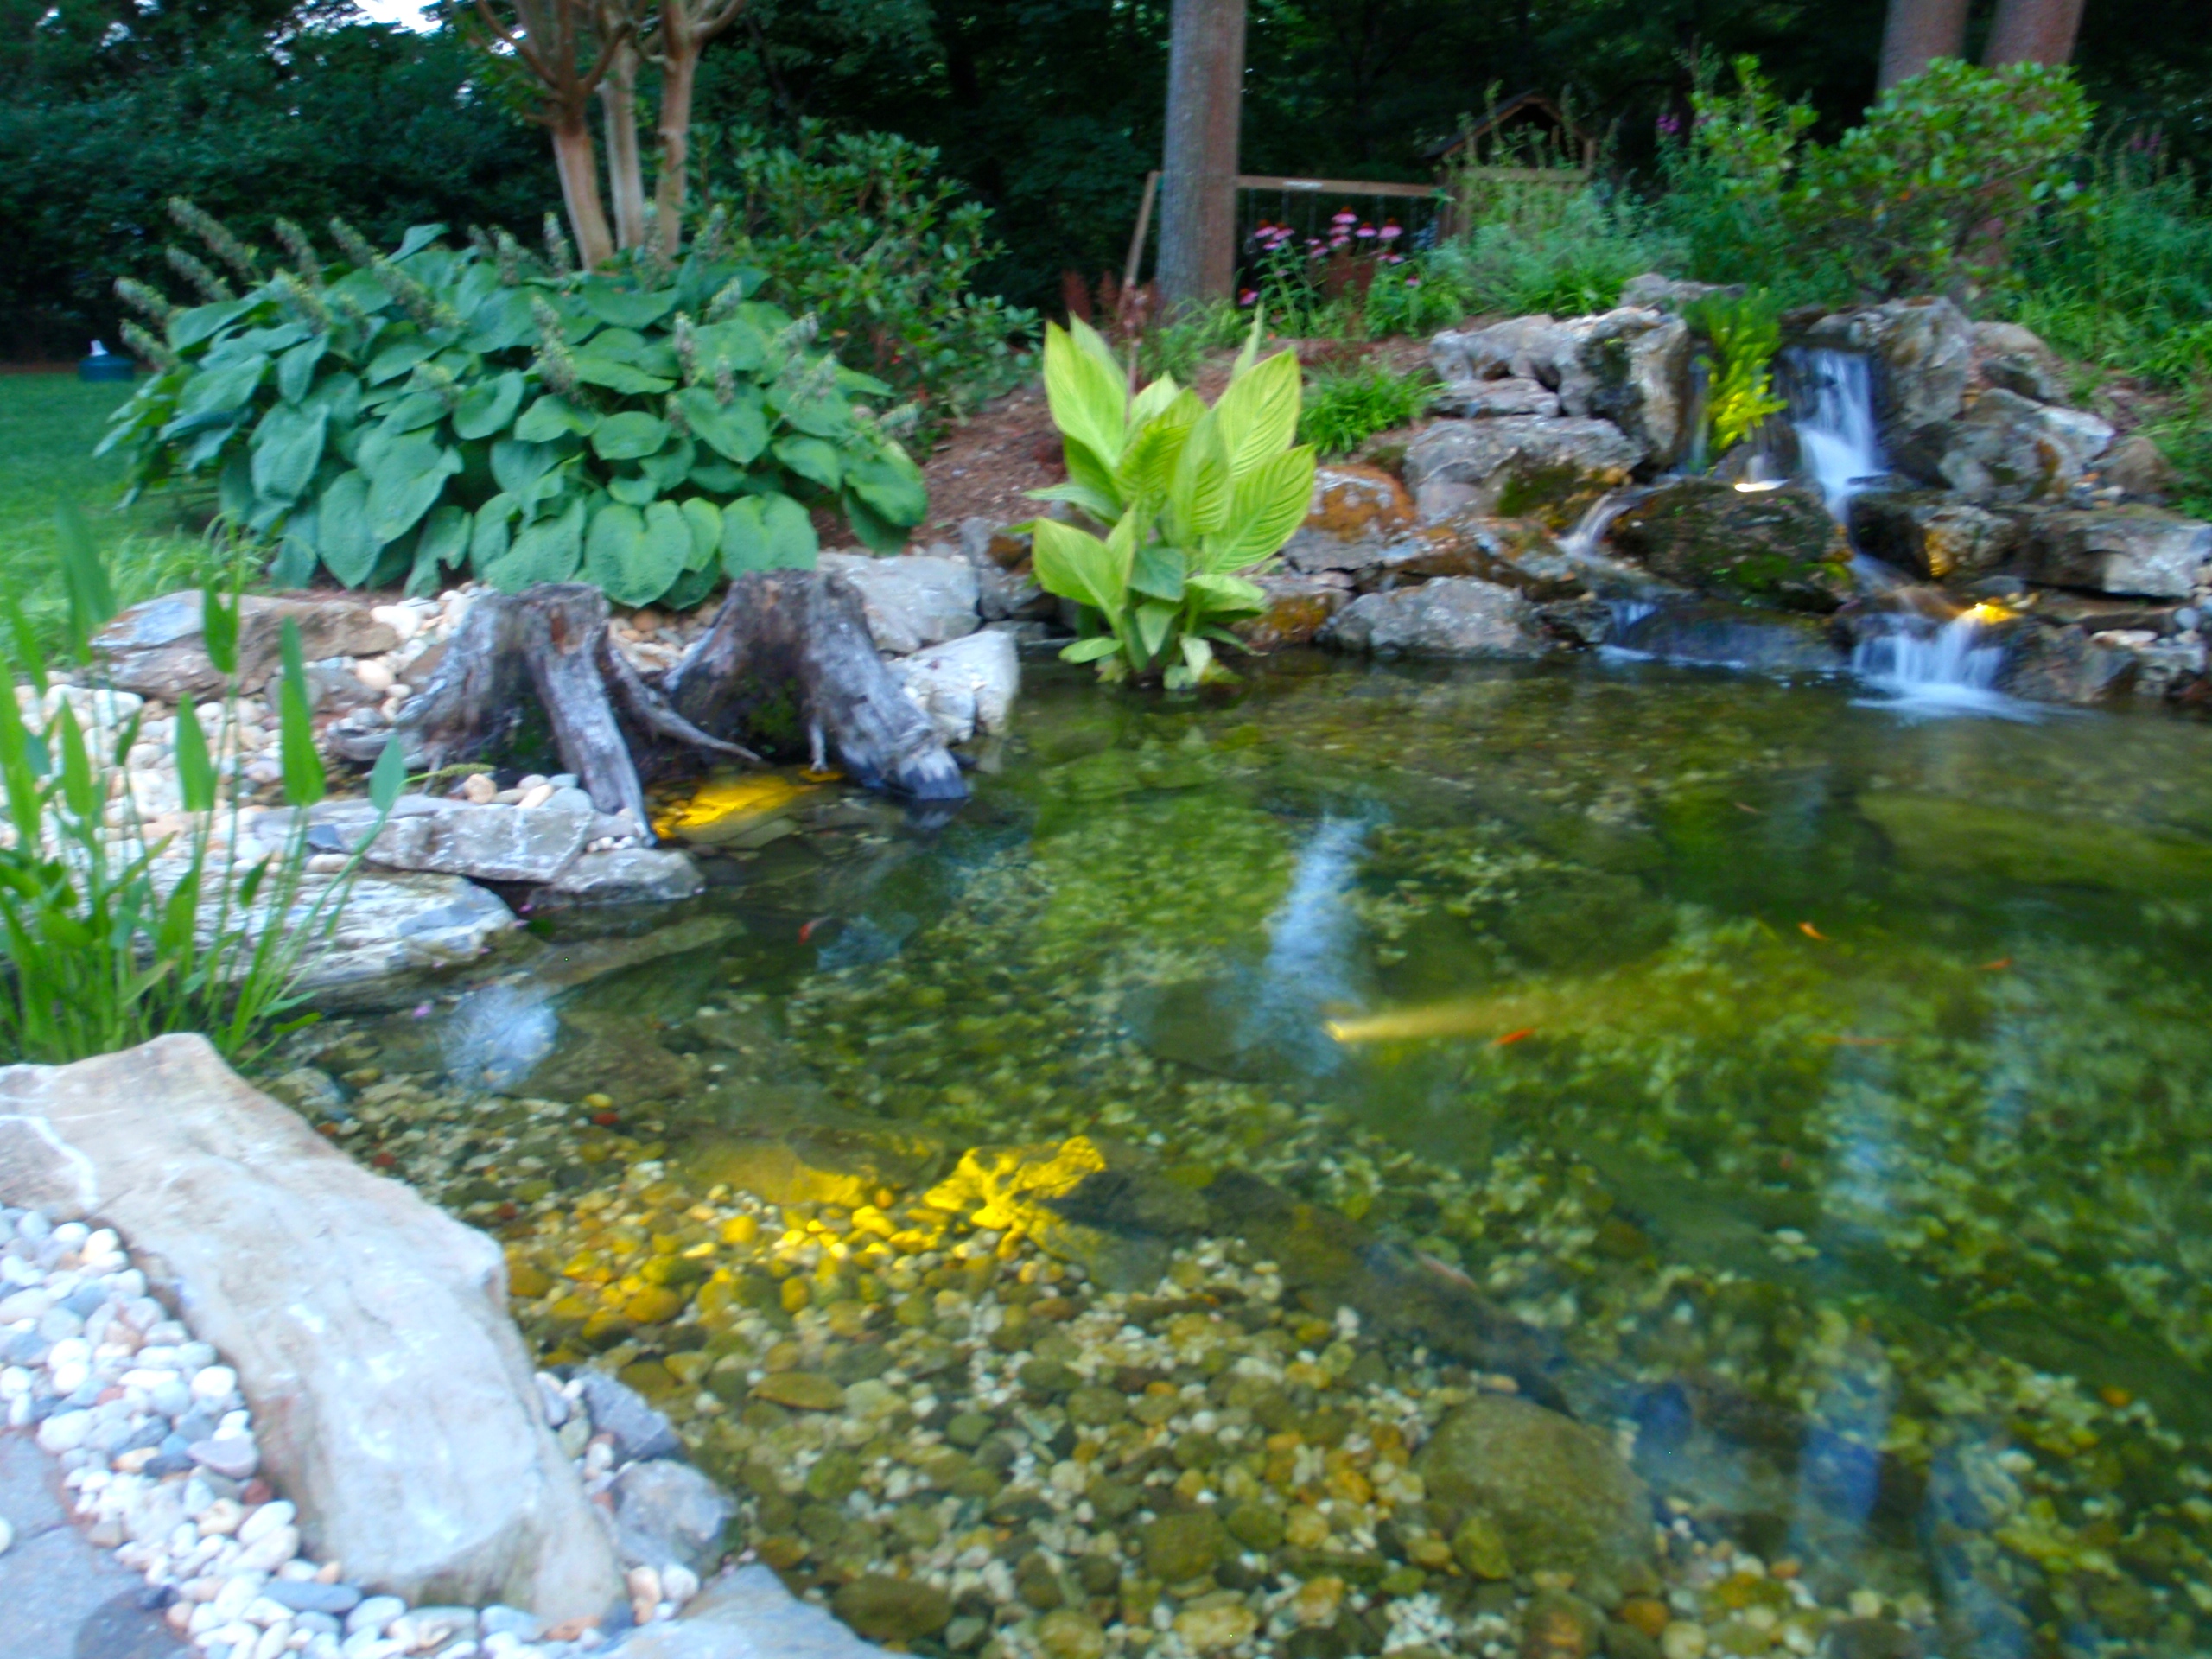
625, 174
1198, 185
1917, 32
575, 159
2032, 31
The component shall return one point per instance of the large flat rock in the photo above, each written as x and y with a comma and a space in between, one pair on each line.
155, 649
914, 600
749, 1615
392, 1397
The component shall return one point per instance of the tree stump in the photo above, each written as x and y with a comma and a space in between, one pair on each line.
788, 661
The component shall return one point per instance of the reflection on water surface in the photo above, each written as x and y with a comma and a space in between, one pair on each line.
1825, 1091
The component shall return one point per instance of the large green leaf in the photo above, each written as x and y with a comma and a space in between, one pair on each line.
302, 762
295, 368
491, 533
397, 358
890, 484
611, 549
1077, 565
487, 407
812, 459
502, 321
632, 489
342, 535
625, 307
196, 323
671, 467
770, 532
1266, 506
1158, 570
735, 429
596, 371
552, 417
1088, 400
704, 519
1258, 415
286, 446
1227, 595
216, 392
546, 551
626, 437
1148, 464
1199, 493
517, 465
405, 482
443, 541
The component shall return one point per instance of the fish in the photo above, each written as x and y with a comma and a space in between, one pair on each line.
1507, 1019
1812, 932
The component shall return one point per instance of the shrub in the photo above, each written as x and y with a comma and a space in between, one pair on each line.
1564, 253
857, 231
116, 933
384, 418
1343, 408
1744, 334
1194, 495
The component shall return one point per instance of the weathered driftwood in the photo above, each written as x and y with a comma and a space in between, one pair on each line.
789, 656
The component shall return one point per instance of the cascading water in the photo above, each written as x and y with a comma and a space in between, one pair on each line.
1922, 662
1832, 407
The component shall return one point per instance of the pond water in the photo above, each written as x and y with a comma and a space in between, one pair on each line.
1824, 1085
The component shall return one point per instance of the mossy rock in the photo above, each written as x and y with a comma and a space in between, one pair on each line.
1771, 547
1560, 1496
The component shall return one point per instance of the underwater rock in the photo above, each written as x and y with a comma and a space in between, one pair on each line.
831, 1162
2131, 549
606, 1054
1455, 616
1082, 1200
1950, 836
1778, 547
1713, 631
749, 1612
1932, 533
885, 1609
1551, 469
1299, 608
913, 600
1557, 1491
668, 1511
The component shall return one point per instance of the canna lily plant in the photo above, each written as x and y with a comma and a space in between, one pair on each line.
1191, 496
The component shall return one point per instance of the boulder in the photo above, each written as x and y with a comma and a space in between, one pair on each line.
2007, 355
1932, 533
747, 1614
155, 649
1484, 399
1631, 368
2007, 449
1354, 509
393, 1401
912, 601
448, 837
2139, 466
2046, 665
667, 1511
1526, 348
2127, 549
1457, 616
395, 928
1560, 1496
1713, 631
622, 875
1005, 584
1551, 469
1299, 608
1775, 547
1654, 291
1922, 354
1511, 552
967, 687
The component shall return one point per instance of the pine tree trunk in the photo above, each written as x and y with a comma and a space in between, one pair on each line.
578, 166
1198, 195
2032, 31
617, 101
1917, 32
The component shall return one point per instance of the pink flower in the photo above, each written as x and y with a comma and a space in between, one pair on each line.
1389, 233
1413, 281
1347, 217
1364, 233
1249, 297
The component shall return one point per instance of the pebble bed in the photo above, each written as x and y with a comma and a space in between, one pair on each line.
160, 1460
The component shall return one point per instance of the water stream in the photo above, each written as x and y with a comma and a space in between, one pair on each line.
1832, 407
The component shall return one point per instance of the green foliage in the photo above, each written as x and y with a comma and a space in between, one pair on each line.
1564, 253
386, 418
116, 932
1343, 408
1744, 334
1928, 194
857, 230
1193, 496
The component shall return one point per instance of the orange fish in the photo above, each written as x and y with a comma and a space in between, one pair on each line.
1998, 966
1516, 1036
1812, 932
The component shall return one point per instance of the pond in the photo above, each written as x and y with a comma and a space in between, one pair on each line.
1808, 1091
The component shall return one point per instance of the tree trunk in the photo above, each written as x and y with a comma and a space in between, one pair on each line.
679, 74
1197, 198
1918, 32
626, 173
785, 632
574, 158
2032, 31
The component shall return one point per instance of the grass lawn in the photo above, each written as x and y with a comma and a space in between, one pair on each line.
49, 425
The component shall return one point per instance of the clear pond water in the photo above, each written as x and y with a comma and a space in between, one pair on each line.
1826, 1085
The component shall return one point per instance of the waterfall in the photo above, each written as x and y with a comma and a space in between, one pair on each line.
1917, 661
1832, 407
1581, 543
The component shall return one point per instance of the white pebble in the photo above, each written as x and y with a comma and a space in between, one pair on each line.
374, 673
214, 1382
264, 1520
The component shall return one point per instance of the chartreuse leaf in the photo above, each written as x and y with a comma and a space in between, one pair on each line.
219, 629
304, 780
1199, 493
1089, 400
1266, 506
1153, 399
1077, 565
1258, 415
1157, 571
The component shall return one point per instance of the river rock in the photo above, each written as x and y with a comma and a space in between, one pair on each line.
2139, 466
2006, 449
1560, 1494
639, 1430
1354, 509
393, 1401
668, 1511
2127, 549
622, 875
1455, 616
967, 687
912, 601
747, 1614
886, 1609
1921, 353
1298, 608
1632, 367
2015, 358
1777, 547
1551, 469
395, 928
1511, 552
1185, 1546
1932, 533
155, 648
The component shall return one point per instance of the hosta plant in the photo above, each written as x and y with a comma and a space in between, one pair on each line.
392, 419
1188, 497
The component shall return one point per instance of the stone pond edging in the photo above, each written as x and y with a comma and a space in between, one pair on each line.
295, 1361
